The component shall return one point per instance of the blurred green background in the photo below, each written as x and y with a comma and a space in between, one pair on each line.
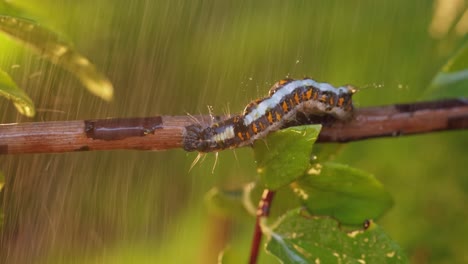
177, 57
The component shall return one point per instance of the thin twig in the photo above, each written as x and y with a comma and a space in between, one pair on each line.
262, 212
166, 132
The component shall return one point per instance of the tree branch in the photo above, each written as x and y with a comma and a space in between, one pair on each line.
166, 132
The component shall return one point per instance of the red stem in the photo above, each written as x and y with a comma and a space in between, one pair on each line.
262, 211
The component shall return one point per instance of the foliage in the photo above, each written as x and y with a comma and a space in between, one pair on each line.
302, 238
328, 190
452, 79
173, 57
52, 47
285, 155
340, 195
21, 100
345, 193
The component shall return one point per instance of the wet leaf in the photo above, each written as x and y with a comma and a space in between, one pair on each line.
301, 238
51, 46
285, 155
452, 79
350, 195
11, 91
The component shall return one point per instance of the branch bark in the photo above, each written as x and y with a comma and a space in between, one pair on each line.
166, 132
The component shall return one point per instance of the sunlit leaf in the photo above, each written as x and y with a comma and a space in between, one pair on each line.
348, 194
301, 238
452, 80
285, 155
60, 52
21, 100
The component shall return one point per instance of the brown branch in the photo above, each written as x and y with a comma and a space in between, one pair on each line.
166, 132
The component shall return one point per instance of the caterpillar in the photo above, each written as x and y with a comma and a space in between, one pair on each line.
286, 99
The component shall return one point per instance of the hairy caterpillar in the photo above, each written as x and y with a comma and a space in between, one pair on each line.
286, 99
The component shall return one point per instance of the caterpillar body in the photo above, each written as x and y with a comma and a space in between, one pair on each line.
286, 99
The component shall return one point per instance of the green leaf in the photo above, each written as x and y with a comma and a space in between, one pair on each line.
350, 195
326, 152
285, 155
51, 46
452, 80
21, 100
301, 238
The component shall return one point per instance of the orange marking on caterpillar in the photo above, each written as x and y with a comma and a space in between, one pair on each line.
285, 107
316, 95
323, 98
254, 128
296, 98
239, 135
278, 116
270, 118
340, 102
262, 127
291, 102
309, 94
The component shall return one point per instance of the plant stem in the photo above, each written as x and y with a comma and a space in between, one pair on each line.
262, 211
166, 132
